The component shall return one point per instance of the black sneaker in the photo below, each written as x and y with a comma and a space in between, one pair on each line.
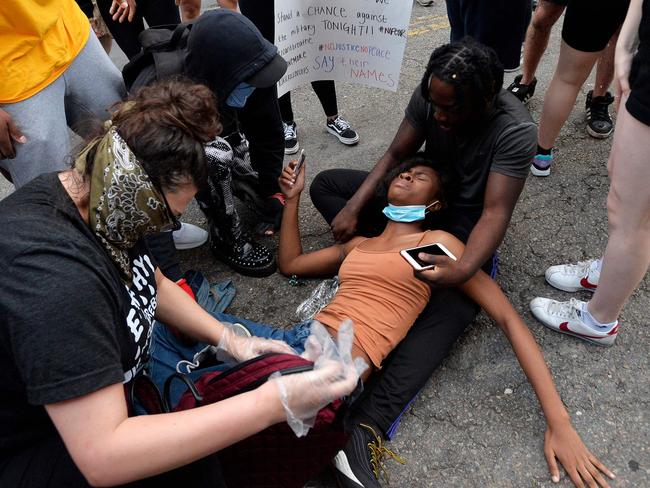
361, 462
522, 92
243, 255
599, 123
291, 145
342, 130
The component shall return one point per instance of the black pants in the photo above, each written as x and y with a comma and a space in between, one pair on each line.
155, 12
260, 13
500, 24
446, 316
48, 465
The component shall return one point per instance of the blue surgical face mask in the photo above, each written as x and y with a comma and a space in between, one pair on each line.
406, 213
239, 95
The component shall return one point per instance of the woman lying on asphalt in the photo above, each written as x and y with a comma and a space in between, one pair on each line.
382, 295
75, 321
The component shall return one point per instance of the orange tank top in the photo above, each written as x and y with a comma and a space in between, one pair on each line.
382, 297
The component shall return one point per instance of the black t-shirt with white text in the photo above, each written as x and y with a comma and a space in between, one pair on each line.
68, 324
503, 142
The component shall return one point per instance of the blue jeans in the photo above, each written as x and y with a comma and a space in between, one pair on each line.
169, 355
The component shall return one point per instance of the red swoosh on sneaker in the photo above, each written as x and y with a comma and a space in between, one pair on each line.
564, 326
585, 284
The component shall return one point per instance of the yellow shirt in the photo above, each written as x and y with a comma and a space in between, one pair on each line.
39, 39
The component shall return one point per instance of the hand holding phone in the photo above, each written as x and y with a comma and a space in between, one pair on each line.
292, 179
301, 161
412, 255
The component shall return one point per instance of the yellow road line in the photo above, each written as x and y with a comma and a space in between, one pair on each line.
418, 31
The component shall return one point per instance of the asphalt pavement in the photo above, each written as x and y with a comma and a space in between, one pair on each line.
477, 422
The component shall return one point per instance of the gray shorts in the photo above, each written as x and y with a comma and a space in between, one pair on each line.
77, 99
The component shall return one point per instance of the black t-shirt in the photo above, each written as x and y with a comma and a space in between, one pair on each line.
505, 142
68, 324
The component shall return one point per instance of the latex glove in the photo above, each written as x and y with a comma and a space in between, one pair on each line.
239, 348
335, 375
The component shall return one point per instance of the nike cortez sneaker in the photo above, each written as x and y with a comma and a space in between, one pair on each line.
583, 275
568, 318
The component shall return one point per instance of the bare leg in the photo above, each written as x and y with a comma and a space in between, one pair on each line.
190, 9
572, 70
539, 30
605, 68
627, 254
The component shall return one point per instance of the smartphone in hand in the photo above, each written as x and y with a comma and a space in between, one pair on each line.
411, 255
301, 161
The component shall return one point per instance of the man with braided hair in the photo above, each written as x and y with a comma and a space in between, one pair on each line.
482, 140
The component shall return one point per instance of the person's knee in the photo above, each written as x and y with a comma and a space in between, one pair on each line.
625, 218
319, 186
545, 17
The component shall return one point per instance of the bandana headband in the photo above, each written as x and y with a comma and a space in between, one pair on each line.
124, 204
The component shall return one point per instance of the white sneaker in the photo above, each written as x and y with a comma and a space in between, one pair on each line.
566, 318
189, 236
583, 275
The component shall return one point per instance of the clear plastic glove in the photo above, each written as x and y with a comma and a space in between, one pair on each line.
239, 348
335, 375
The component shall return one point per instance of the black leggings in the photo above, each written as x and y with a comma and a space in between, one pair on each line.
260, 13
155, 12
446, 316
49, 465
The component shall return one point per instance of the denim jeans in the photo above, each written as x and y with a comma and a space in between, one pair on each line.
169, 355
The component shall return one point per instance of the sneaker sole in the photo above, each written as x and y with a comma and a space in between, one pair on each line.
343, 474
292, 150
570, 289
598, 135
344, 140
596, 342
190, 245
540, 172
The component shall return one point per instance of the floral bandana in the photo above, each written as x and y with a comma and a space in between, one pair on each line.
124, 204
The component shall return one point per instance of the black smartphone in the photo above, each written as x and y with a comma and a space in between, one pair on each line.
411, 255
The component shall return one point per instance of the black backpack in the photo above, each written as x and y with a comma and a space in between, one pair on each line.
162, 55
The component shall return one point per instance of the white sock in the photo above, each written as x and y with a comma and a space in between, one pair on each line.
593, 323
597, 265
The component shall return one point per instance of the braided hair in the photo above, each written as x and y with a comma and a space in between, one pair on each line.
474, 70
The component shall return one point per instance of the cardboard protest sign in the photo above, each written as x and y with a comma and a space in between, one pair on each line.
358, 41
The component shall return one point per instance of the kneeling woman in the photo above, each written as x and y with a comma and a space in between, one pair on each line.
381, 294
79, 296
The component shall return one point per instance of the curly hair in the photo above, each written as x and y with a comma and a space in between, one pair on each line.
472, 68
166, 125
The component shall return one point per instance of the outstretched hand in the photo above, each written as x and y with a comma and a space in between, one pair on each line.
292, 184
563, 444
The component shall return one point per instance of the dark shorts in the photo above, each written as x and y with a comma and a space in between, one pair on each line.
590, 24
564, 3
638, 104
